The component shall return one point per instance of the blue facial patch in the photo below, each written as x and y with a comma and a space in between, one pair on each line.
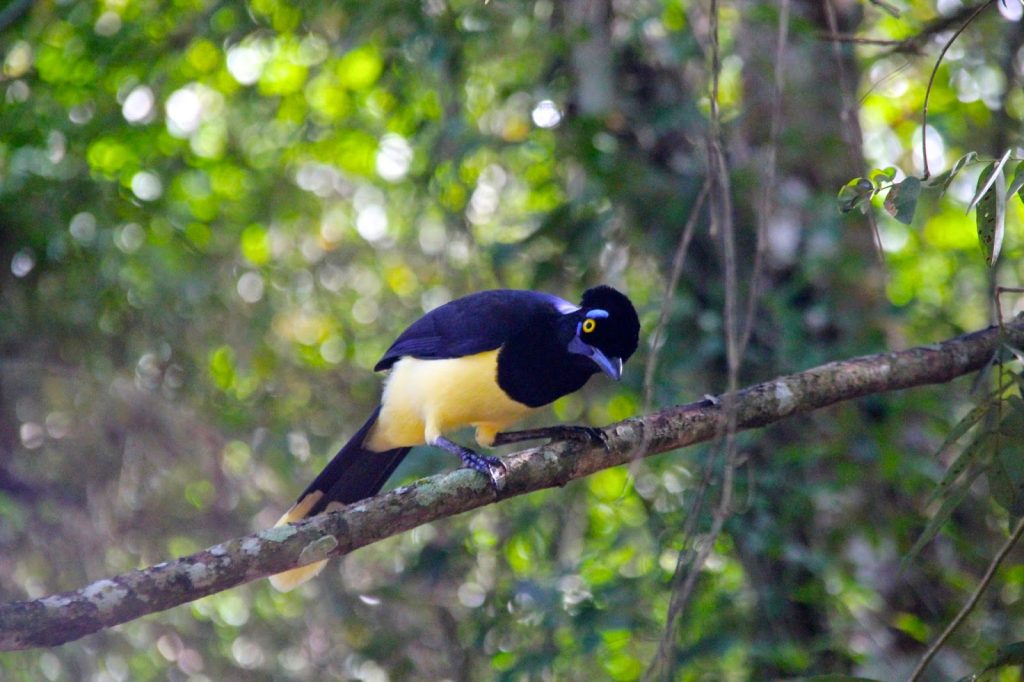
596, 313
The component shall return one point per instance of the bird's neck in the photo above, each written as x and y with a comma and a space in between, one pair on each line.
535, 367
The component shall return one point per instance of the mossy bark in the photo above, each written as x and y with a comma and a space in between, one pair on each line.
63, 617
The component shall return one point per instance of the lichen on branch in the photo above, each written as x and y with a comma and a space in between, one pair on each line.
67, 616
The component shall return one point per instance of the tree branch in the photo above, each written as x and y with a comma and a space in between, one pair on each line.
68, 616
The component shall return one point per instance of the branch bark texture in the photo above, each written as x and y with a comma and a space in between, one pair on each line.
67, 616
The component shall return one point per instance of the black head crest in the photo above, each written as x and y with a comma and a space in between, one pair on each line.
617, 332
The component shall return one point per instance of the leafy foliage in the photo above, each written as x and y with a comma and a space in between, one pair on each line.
216, 215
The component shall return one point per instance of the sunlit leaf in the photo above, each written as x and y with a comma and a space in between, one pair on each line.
1015, 352
960, 164
255, 244
1017, 185
854, 194
880, 176
360, 68
988, 177
222, 367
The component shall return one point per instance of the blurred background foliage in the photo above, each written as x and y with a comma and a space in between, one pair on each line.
216, 215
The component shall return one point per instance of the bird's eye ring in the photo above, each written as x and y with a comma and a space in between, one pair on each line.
589, 325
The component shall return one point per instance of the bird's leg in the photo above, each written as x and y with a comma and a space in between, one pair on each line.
587, 434
492, 467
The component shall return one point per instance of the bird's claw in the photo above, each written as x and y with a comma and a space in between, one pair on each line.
589, 434
492, 467
498, 473
580, 434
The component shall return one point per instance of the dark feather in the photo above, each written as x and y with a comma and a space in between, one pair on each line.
355, 473
473, 324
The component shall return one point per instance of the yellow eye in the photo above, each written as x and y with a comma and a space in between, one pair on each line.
589, 325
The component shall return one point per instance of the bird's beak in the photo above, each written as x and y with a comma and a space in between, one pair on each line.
610, 366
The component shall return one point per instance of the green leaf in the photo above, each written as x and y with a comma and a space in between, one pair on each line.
360, 68
988, 178
953, 499
991, 214
1012, 425
982, 444
902, 199
880, 176
1011, 654
965, 423
855, 194
1017, 186
1006, 477
1016, 352
960, 164
1018, 379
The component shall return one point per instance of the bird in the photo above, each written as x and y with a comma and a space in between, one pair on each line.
486, 360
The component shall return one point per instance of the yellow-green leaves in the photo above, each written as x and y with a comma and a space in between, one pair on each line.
360, 68
900, 202
108, 156
856, 193
990, 196
222, 367
1017, 186
255, 244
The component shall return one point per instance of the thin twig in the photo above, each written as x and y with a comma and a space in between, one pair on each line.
13, 12
859, 40
931, 80
965, 611
685, 577
916, 42
722, 224
657, 336
1000, 290
765, 207
885, 6
851, 124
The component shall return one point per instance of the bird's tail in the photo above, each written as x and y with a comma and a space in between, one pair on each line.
354, 474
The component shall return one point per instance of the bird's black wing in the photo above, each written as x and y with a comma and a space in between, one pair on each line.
472, 324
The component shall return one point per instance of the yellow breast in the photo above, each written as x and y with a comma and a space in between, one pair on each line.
424, 399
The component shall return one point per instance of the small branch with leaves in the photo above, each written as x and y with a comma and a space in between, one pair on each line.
901, 198
990, 196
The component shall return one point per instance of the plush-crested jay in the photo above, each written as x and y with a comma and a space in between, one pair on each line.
486, 360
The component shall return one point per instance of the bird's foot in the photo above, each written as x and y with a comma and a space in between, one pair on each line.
492, 467
580, 434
